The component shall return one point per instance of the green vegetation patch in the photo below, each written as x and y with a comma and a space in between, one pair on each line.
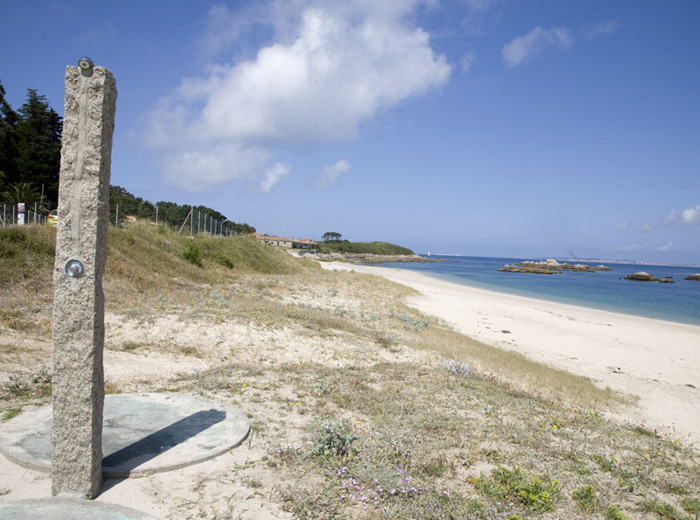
26, 251
373, 248
11, 413
193, 255
586, 499
515, 486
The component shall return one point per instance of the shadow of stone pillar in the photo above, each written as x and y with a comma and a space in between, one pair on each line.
81, 252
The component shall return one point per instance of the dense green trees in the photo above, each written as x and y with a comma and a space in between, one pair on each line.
374, 248
129, 204
168, 212
8, 138
30, 157
332, 236
30, 150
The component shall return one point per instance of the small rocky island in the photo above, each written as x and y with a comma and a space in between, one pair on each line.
694, 277
551, 266
646, 277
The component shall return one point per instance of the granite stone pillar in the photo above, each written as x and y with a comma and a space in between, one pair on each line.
81, 253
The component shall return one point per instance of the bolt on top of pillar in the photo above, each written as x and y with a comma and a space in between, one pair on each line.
86, 65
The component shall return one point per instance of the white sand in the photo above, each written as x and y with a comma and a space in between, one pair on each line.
659, 361
166, 345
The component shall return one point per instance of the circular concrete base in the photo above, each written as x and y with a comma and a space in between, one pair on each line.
68, 509
142, 433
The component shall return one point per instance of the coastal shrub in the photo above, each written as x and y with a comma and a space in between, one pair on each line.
457, 367
586, 499
336, 440
412, 323
606, 464
539, 495
514, 486
661, 509
193, 255
614, 513
224, 261
323, 387
692, 506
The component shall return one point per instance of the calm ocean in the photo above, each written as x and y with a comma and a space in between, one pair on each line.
679, 301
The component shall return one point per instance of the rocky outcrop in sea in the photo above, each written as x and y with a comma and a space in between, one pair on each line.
646, 277
550, 266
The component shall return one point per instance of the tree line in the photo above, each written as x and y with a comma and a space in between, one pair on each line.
167, 212
30, 151
30, 162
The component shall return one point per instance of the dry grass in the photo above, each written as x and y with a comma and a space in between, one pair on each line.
450, 446
517, 371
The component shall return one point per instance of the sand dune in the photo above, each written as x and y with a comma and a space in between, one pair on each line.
656, 360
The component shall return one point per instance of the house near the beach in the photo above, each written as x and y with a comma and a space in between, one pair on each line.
289, 243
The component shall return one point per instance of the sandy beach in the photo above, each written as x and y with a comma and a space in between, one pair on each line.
657, 361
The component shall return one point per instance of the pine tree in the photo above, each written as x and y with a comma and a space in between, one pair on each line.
8, 142
39, 144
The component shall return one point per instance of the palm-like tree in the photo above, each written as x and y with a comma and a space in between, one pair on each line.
20, 192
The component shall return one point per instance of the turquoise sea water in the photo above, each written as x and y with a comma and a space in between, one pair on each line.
606, 290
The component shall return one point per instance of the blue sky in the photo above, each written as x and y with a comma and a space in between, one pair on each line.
477, 127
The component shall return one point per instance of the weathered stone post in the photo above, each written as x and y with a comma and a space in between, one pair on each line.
81, 253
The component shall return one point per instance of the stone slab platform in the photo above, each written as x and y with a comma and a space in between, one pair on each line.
68, 509
142, 433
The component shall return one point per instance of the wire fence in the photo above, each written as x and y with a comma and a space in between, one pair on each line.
195, 223
14, 215
198, 222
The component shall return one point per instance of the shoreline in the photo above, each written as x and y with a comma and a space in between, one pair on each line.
562, 300
656, 360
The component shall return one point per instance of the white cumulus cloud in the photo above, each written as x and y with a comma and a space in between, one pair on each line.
523, 48
691, 215
332, 173
330, 68
687, 217
667, 247
207, 166
273, 175
602, 28
467, 61
630, 248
